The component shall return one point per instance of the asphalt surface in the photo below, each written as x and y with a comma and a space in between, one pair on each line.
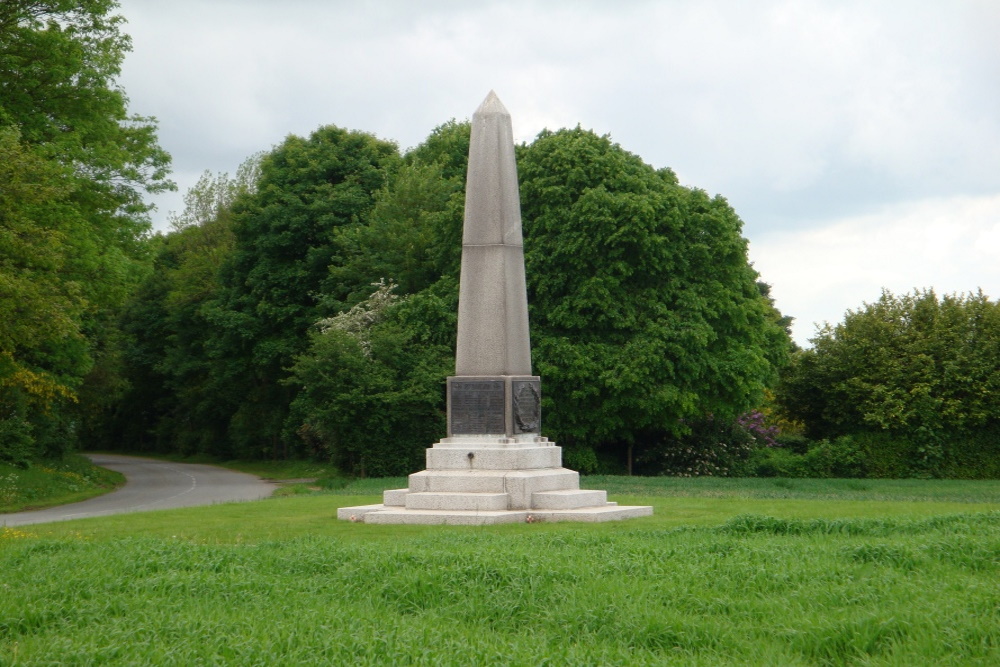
153, 485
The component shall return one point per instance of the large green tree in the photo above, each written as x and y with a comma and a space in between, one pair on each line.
370, 386
370, 383
43, 353
271, 284
413, 235
647, 318
77, 239
911, 364
167, 406
646, 314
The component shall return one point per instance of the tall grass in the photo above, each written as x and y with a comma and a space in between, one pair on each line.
282, 582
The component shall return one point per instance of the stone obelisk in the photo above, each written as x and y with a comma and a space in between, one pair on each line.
494, 466
493, 392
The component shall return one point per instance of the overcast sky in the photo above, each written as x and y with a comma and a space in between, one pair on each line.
858, 141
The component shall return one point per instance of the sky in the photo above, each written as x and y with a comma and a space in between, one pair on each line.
859, 142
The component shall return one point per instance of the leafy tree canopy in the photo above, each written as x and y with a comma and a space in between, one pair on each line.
645, 311
915, 364
73, 223
271, 284
646, 315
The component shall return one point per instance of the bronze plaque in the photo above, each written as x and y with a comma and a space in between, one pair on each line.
527, 399
477, 407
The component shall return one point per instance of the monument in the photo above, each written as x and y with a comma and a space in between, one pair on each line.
494, 466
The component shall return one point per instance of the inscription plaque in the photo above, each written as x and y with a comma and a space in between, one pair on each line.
477, 407
527, 399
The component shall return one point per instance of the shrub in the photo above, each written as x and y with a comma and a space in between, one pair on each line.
583, 459
18, 447
712, 447
837, 458
776, 462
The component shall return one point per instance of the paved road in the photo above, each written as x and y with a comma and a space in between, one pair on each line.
153, 485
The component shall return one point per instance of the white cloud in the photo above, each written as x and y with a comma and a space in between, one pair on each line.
946, 244
858, 140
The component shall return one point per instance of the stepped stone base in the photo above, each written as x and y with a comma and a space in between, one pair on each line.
473, 480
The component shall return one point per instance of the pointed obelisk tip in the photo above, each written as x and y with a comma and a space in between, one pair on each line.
492, 104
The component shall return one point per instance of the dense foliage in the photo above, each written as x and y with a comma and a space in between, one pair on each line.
646, 314
73, 166
313, 313
908, 384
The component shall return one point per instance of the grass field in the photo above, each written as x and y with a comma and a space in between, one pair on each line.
769, 572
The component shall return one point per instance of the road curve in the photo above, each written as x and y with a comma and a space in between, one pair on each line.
153, 485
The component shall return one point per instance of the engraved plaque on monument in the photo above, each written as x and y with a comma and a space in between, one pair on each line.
527, 399
477, 406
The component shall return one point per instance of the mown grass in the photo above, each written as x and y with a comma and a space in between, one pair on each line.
53, 482
706, 580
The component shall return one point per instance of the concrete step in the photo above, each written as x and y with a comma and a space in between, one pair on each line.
397, 515
520, 484
474, 502
458, 481
568, 499
585, 514
394, 497
494, 458
440, 517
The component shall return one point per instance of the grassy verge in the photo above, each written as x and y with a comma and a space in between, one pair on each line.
54, 482
281, 582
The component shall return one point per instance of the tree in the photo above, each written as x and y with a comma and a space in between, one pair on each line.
76, 242
214, 194
370, 383
370, 386
915, 363
168, 406
42, 349
645, 312
413, 235
58, 63
646, 316
270, 285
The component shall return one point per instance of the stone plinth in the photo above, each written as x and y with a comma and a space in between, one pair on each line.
479, 481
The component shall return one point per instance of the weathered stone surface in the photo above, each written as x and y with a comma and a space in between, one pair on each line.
357, 512
519, 458
395, 497
493, 336
568, 499
457, 501
442, 517
394, 515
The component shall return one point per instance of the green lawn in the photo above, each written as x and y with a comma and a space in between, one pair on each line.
725, 572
